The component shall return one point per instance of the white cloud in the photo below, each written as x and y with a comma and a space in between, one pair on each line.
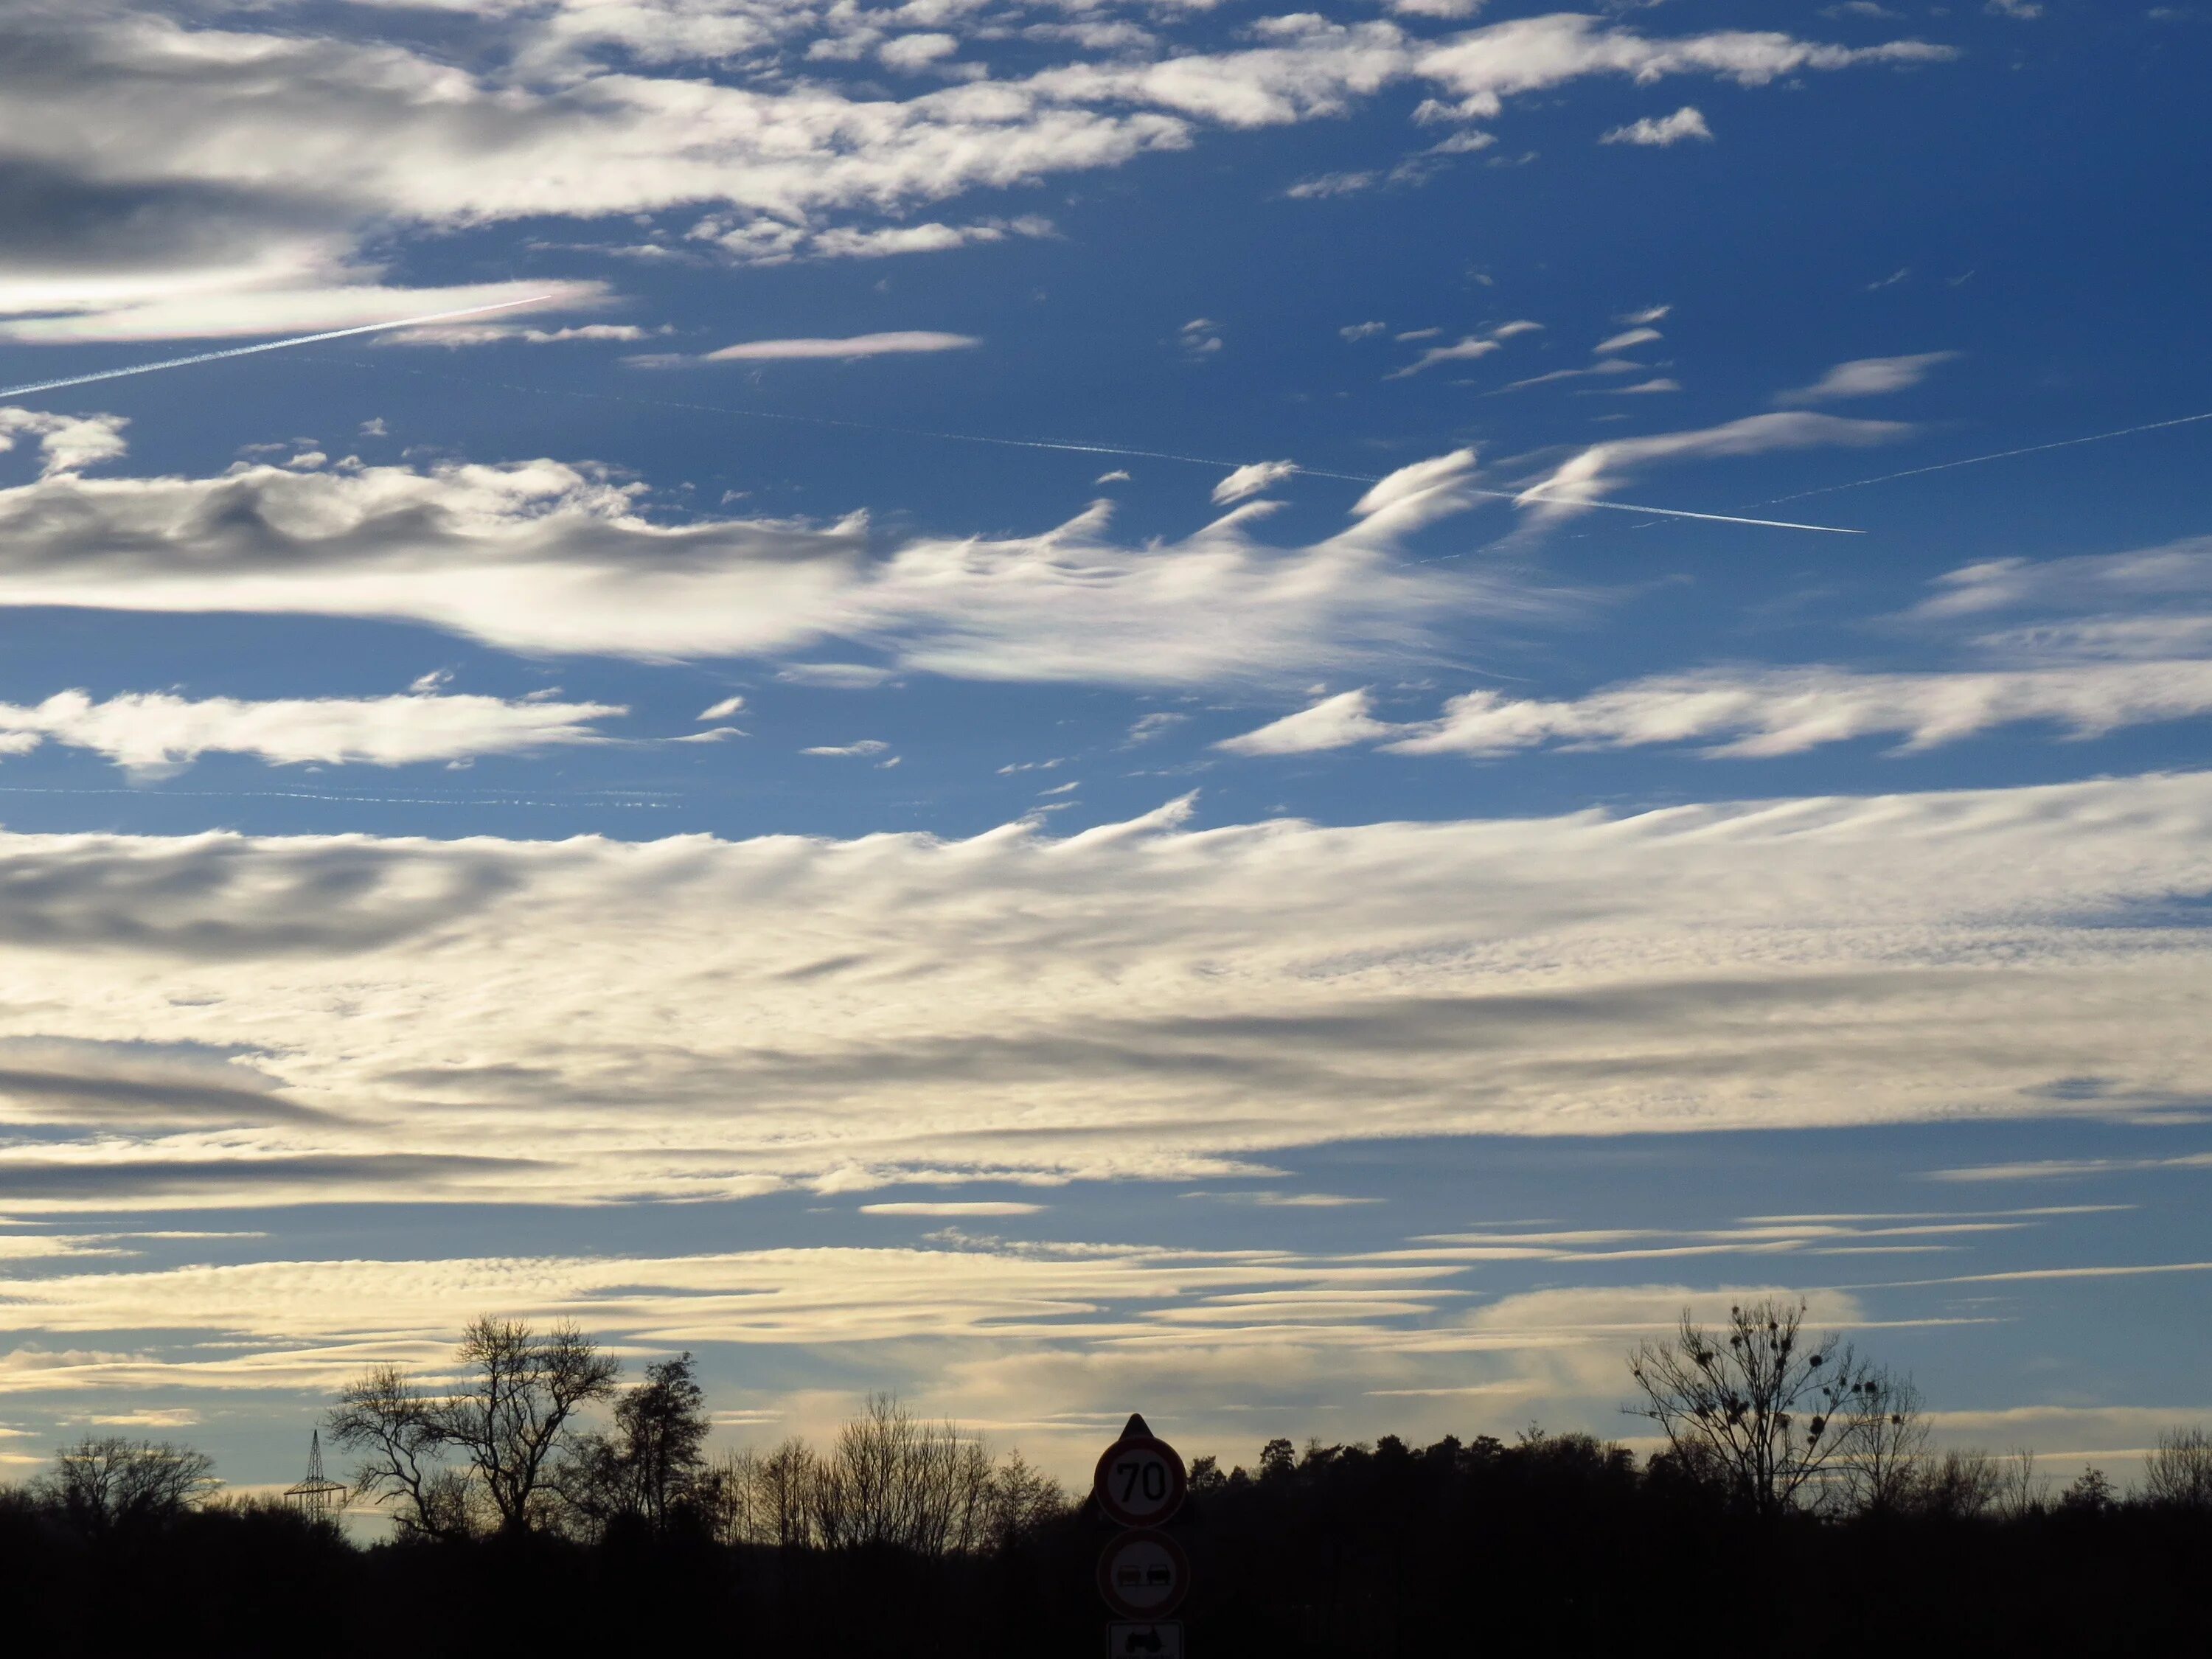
1604, 367
865, 748
1641, 319
1361, 331
1867, 377
1199, 339
206, 180
1009, 1005
897, 343
1781, 711
1336, 722
1467, 348
1627, 340
1686, 122
469, 334
2094, 582
68, 443
1146, 727
546, 557
1330, 184
2152, 604
846, 242
722, 710
953, 1208
158, 733
1605, 466
1253, 479
246, 304
837, 676
916, 51
1486, 66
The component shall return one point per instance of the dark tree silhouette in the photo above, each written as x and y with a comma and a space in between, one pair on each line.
108, 1484
2178, 1473
647, 1472
1764, 1410
395, 1430
508, 1425
515, 1414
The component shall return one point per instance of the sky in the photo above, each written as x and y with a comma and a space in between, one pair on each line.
1285, 719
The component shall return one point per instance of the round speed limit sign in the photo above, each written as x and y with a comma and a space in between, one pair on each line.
1140, 1481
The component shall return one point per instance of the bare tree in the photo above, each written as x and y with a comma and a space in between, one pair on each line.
2179, 1473
1959, 1485
506, 1426
1878, 1468
890, 1482
730, 1493
515, 1412
108, 1484
394, 1428
1768, 1410
2020, 1491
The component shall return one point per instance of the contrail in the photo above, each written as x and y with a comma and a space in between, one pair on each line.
1125, 453
1520, 497
2000, 455
267, 345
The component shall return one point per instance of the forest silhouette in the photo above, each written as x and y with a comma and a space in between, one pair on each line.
535, 1503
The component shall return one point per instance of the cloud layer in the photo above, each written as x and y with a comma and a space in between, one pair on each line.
157, 732
162, 179
1136, 1000
544, 556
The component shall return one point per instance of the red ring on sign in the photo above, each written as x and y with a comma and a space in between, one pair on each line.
1158, 1610
1141, 1514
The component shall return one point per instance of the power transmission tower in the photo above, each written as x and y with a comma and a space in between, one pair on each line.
317, 1498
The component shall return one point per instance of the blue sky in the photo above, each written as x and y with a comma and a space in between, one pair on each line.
1033, 624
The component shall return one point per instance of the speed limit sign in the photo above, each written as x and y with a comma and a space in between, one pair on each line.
1140, 1481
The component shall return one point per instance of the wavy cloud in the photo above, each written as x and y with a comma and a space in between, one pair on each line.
543, 556
167, 180
1145, 1000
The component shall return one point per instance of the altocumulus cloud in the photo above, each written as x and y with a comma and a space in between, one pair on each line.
168, 179
156, 733
541, 555
899, 342
1138, 1000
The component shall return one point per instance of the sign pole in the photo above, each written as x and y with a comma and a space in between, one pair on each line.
1143, 1574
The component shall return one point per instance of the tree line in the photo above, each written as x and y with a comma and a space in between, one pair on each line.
529, 1484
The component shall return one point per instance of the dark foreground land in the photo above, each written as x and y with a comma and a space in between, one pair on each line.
1554, 1547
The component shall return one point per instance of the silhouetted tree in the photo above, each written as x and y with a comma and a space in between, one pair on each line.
514, 1413
398, 1431
893, 1481
647, 1471
2091, 1493
2021, 1492
506, 1424
2178, 1473
1766, 1411
108, 1484
1879, 1469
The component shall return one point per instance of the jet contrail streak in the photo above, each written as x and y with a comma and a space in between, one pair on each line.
2000, 455
1667, 512
267, 345
1123, 452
